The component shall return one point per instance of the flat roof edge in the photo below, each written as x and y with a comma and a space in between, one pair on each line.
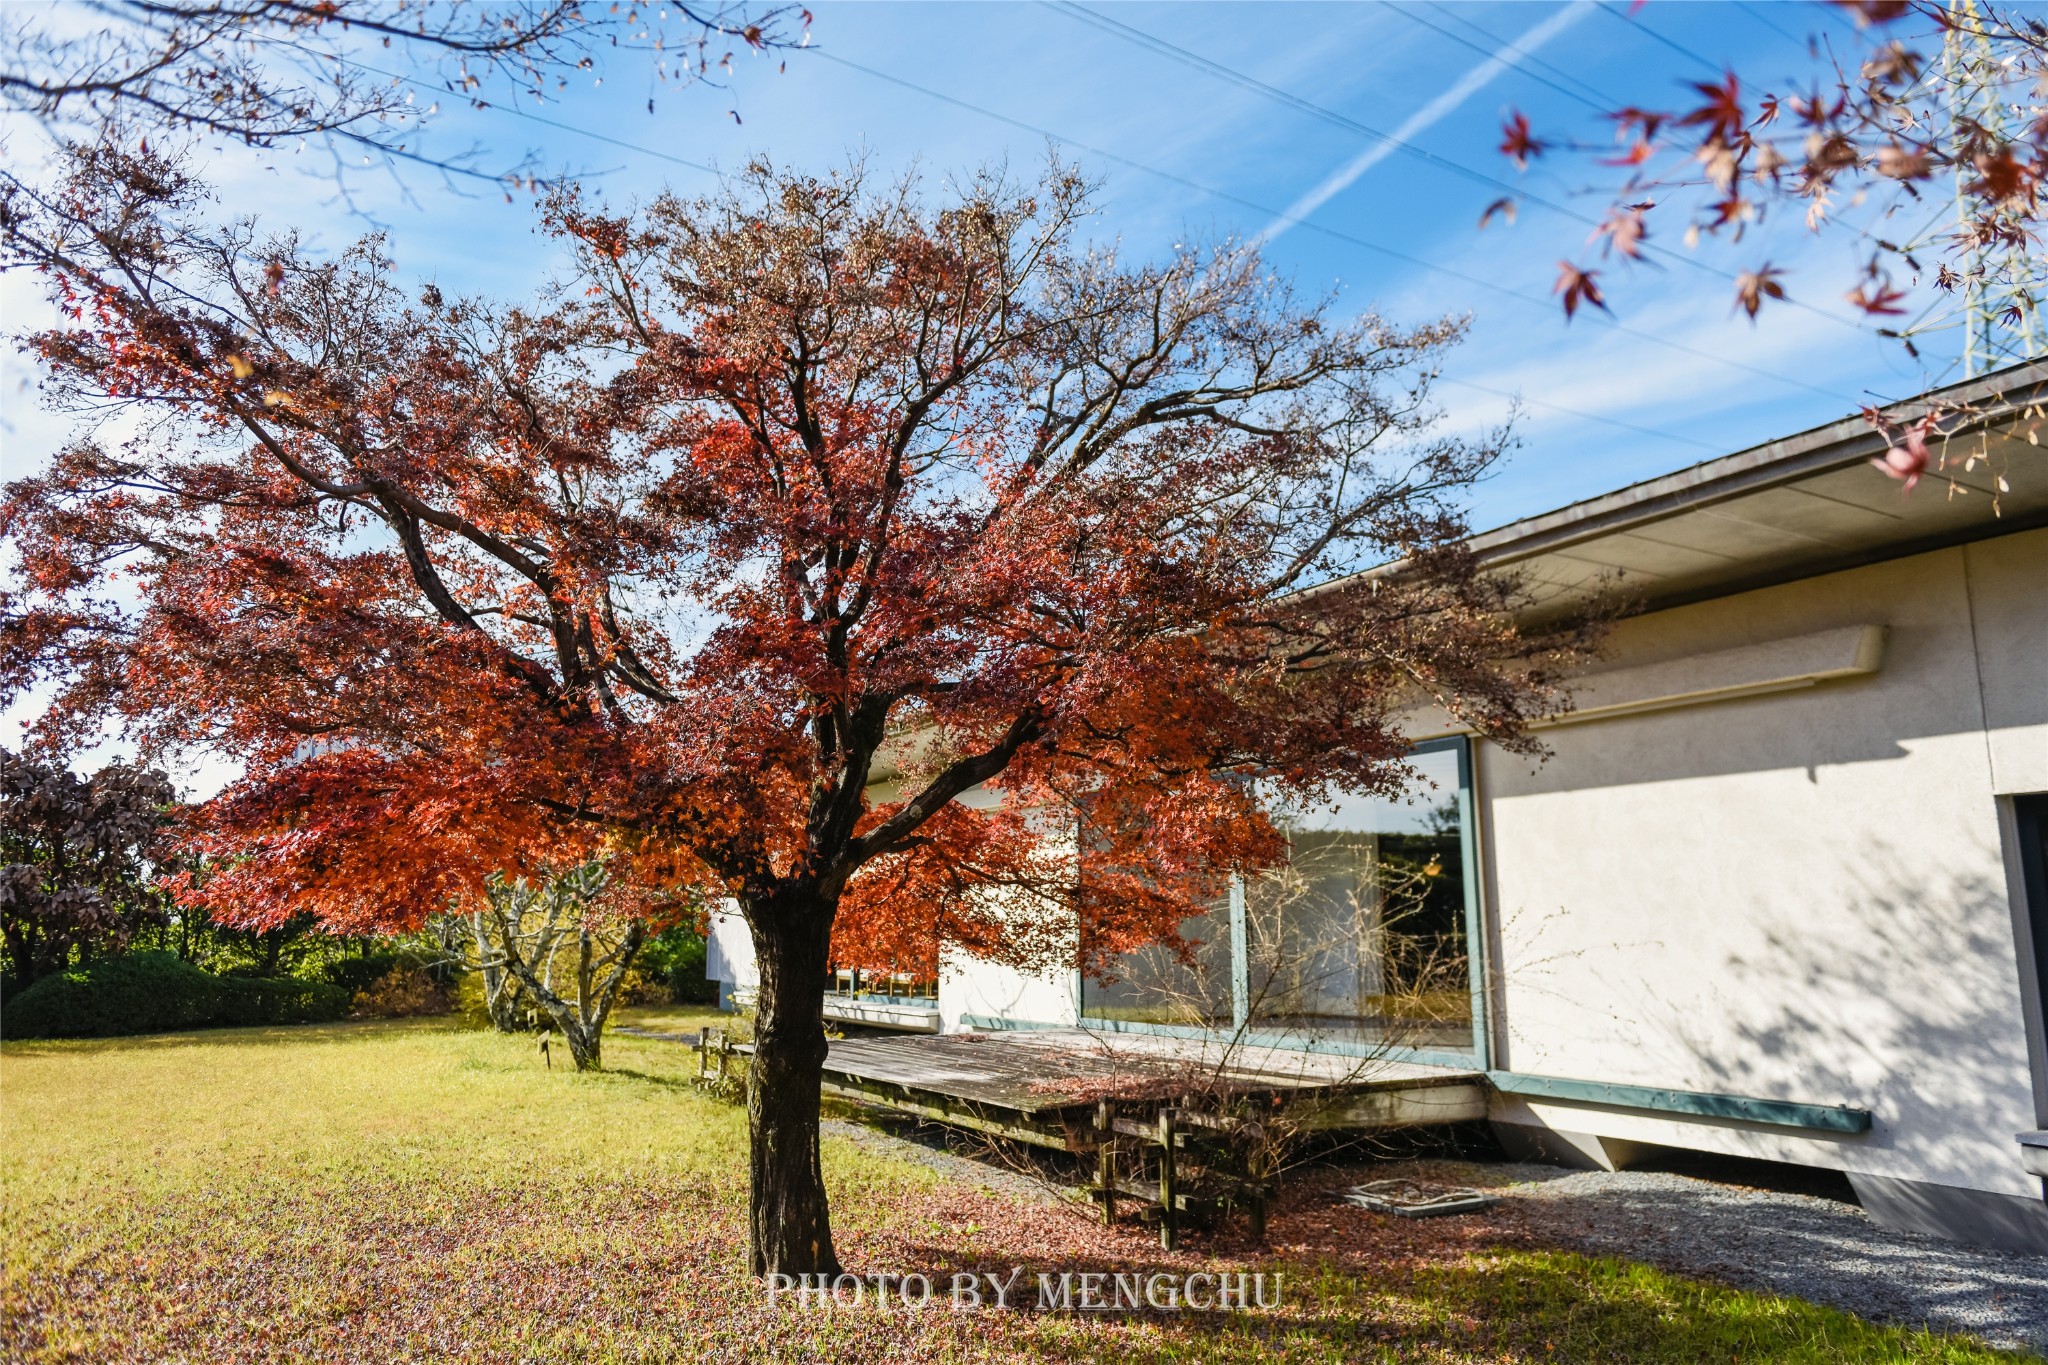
1846, 441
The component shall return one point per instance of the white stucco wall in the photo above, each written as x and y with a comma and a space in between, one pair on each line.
1795, 896
969, 985
729, 957
972, 986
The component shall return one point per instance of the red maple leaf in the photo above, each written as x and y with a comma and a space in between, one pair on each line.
1644, 122
1877, 11
1878, 298
1905, 458
1624, 230
1577, 286
1722, 115
1517, 143
2001, 176
1752, 287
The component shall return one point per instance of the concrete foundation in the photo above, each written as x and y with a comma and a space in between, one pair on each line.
1582, 1151
2008, 1222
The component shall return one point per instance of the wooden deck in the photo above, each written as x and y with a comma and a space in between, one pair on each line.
1042, 1085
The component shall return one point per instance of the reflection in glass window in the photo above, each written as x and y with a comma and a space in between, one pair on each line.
1361, 936
1153, 985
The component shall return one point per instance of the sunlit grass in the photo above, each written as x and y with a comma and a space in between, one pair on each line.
1521, 1306
90, 1122
423, 1192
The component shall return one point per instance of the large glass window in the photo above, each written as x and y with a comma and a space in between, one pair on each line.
1155, 985
1360, 938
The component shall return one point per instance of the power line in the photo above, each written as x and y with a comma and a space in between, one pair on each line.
1586, 416
1162, 47
1390, 252
1756, 12
1175, 53
1639, 26
1523, 60
517, 112
693, 165
531, 117
1476, 281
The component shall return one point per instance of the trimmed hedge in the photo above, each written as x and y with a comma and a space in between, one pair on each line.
157, 992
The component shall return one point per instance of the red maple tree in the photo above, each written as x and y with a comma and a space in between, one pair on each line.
796, 513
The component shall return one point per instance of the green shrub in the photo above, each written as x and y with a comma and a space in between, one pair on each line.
157, 992
285, 1000
358, 974
675, 957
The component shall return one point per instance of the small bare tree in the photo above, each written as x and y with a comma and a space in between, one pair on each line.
1357, 940
472, 941
1360, 936
550, 944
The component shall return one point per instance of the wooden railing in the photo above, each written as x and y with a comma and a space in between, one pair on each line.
1207, 1166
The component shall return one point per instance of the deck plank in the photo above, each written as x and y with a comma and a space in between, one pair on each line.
1035, 1071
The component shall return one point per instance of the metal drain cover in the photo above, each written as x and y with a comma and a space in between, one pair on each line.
1418, 1198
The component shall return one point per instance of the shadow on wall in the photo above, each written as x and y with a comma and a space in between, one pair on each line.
1905, 1002
1899, 994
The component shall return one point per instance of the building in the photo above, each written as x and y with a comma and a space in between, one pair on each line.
1779, 889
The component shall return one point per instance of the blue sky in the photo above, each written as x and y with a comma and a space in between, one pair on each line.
1672, 378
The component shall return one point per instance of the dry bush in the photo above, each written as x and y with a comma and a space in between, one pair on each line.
401, 993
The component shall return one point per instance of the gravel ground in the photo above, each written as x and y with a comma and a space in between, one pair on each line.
928, 1145
1821, 1250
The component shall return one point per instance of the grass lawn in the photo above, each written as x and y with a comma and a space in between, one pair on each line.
410, 1191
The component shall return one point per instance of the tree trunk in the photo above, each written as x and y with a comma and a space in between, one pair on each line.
787, 1212
585, 1046
22, 953
581, 1019
501, 994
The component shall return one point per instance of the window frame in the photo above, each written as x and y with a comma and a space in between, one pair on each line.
1478, 960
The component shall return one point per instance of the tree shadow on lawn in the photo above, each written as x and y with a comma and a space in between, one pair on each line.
652, 1269
1513, 1305
682, 1084
649, 1265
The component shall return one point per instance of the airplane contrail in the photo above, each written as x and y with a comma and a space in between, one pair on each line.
1428, 116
